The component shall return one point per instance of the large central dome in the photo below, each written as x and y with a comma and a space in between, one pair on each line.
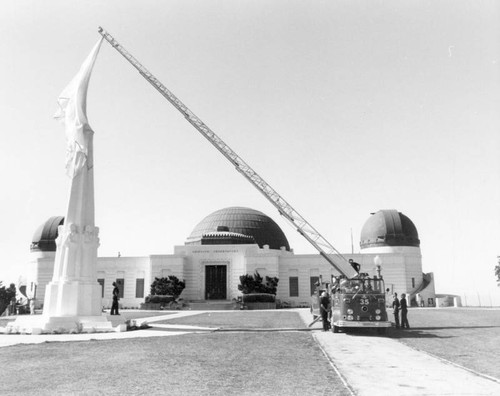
244, 221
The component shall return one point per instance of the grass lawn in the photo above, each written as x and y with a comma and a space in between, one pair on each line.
288, 363
222, 363
242, 319
469, 337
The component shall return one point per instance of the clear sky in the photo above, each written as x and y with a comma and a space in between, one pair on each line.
344, 107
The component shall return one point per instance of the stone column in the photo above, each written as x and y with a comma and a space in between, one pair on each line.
74, 291
73, 298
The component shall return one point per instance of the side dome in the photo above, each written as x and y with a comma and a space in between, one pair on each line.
389, 227
245, 221
44, 238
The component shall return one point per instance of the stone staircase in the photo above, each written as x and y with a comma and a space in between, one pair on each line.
212, 305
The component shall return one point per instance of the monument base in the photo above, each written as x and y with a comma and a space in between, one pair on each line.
62, 324
73, 298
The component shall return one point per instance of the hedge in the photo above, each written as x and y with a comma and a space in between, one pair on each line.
160, 299
258, 297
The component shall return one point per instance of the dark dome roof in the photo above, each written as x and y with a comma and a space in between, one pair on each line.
244, 221
44, 238
389, 227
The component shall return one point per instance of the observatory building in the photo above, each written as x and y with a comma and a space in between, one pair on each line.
235, 241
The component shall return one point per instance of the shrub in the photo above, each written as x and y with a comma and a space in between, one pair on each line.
258, 298
254, 284
171, 286
272, 284
159, 299
247, 283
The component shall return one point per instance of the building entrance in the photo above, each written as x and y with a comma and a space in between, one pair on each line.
215, 282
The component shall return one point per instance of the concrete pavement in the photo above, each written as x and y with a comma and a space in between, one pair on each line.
373, 365
157, 330
383, 366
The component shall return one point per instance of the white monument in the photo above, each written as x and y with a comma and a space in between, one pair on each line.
73, 297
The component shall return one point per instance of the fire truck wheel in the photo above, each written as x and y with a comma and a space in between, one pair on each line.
336, 329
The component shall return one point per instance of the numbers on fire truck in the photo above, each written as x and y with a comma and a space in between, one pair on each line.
364, 301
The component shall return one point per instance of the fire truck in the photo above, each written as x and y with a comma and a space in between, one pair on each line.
357, 302
359, 308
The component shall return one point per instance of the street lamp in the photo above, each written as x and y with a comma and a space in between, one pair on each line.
378, 265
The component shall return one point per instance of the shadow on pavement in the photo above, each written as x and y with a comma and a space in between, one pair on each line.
453, 327
396, 333
415, 333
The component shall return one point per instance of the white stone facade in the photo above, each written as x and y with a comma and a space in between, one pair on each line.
400, 267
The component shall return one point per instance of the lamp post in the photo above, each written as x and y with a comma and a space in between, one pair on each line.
378, 265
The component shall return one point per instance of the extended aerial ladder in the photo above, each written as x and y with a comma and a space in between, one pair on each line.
334, 257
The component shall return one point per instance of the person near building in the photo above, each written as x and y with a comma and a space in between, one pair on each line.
323, 307
388, 294
116, 293
404, 312
32, 306
12, 306
395, 309
420, 300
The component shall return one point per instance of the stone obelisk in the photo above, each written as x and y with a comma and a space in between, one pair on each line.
73, 297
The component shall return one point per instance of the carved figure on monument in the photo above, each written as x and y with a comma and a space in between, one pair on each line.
91, 235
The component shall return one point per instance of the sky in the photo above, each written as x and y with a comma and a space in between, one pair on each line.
343, 107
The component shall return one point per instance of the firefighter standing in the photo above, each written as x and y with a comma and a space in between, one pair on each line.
404, 312
116, 297
395, 309
323, 308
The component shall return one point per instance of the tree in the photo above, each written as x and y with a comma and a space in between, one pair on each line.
255, 284
171, 286
497, 273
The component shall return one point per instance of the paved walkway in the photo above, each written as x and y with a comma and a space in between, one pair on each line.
373, 365
158, 330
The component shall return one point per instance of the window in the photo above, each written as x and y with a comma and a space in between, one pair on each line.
120, 282
412, 282
139, 288
294, 286
314, 280
101, 282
